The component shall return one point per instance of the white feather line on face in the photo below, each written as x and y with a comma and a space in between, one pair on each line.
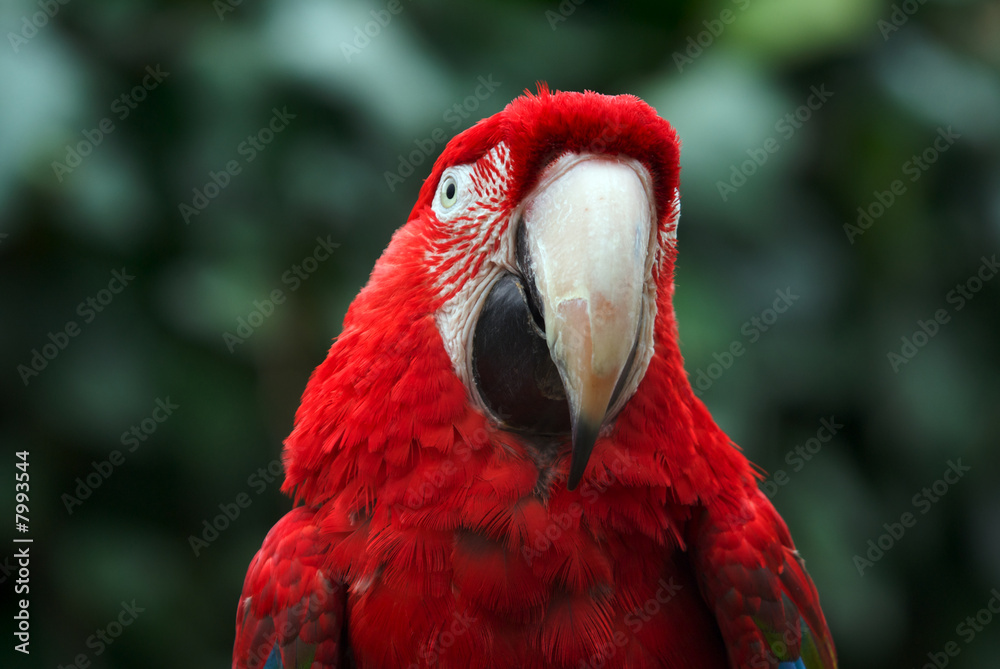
487, 184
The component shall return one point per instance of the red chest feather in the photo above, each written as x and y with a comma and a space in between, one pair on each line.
496, 574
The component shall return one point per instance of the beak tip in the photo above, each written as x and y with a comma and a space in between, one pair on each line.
585, 434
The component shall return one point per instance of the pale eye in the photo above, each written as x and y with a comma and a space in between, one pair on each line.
449, 192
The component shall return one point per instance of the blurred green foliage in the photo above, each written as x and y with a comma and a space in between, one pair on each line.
727, 74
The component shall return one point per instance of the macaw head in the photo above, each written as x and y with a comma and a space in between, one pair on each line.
532, 281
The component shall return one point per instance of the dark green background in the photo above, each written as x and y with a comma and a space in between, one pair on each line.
324, 175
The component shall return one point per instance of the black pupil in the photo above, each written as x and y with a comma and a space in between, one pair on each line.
449, 190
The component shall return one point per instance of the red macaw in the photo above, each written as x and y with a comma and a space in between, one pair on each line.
501, 462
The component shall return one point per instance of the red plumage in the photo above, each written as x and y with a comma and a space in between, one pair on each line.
430, 535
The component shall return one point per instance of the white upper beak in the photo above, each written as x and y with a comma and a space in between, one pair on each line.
588, 229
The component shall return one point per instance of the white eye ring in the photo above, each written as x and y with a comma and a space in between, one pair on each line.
449, 192
455, 192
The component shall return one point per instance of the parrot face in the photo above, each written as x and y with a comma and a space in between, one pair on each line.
501, 462
555, 327
559, 249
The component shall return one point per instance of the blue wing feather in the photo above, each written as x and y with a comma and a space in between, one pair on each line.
274, 659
